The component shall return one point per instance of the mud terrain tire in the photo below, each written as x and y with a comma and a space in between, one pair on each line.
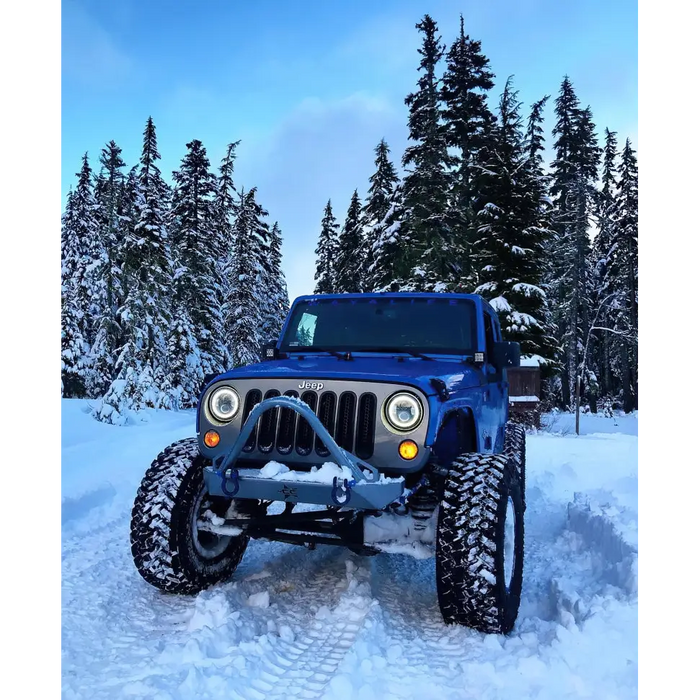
514, 448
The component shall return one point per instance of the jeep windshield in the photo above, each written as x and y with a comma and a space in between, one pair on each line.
387, 324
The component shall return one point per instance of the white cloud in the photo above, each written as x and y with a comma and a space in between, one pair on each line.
89, 54
322, 150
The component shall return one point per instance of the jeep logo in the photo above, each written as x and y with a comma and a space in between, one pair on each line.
316, 386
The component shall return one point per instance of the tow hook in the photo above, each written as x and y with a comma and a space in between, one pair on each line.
340, 493
230, 475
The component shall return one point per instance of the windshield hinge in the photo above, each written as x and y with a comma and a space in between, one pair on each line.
440, 387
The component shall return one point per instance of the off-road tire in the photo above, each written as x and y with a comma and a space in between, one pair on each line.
514, 449
470, 539
162, 537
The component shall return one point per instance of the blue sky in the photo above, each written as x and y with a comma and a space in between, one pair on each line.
311, 87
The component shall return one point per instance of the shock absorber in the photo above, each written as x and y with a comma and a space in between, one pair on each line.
422, 504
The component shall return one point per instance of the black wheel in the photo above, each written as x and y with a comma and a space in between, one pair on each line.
479, 544
514, 449
169, 550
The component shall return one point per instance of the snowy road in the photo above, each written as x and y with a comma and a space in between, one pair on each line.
329, 624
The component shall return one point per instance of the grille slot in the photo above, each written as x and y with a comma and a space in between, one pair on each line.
268, 425
366, 415
305, 435
326, 414
287, 427
252, 398
345, 430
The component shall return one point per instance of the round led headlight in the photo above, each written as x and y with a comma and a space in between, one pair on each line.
224, 403
403, 411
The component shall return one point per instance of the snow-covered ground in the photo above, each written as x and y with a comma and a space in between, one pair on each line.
329, 624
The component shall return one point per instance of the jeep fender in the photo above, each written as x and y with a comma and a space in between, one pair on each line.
457, 432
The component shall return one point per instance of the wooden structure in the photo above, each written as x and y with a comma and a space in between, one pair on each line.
524, 394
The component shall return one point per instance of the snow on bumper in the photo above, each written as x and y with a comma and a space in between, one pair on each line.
297, 487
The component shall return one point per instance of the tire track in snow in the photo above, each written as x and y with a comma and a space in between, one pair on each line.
303, 666
136, 636
417, 635
555, 559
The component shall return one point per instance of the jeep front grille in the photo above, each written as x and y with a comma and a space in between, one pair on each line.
349, 420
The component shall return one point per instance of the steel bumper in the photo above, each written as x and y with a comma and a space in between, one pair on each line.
367, 489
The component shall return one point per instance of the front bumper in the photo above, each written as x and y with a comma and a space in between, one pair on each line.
367, 489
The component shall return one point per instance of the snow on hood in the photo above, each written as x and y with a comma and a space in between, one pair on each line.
418, 372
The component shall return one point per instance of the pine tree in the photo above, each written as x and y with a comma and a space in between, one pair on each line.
540, 205
245, 313
624, 273
509, 249
382, 185
601, 251
350, 262
197, 253
226, 208
274, 294
184, 353
390, 248
573, 190
141, 370
81, 232
466, 84
326, 253
61, 299
112, 221
431, 265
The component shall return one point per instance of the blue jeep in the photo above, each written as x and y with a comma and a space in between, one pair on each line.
378, 422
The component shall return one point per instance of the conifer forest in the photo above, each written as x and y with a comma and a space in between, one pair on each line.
167, 281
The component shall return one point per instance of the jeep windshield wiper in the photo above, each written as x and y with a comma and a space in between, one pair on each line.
336, 353
400, 350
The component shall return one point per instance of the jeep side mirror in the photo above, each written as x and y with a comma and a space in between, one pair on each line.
506, 354
269, 352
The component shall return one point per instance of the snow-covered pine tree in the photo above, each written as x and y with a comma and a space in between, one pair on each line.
261, 247
390, 248
61, 299
350, 263
624, 274
142, 372
383, 182
465, 87
81, 247
600, 347
274, 294
509, 250
245, 318
196, 255
112, 227
427, 184
538, 193
326, 253
573, 189
226, 211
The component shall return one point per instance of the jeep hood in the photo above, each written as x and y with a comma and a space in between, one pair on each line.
416, 372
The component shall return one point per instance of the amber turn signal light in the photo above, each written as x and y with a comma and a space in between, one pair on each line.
211, 438
408, 449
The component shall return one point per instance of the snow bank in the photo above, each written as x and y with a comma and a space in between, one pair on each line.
327, 624
103, 464
611, 531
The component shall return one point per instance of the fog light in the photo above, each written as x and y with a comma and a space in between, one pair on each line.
408, 449
211, 438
